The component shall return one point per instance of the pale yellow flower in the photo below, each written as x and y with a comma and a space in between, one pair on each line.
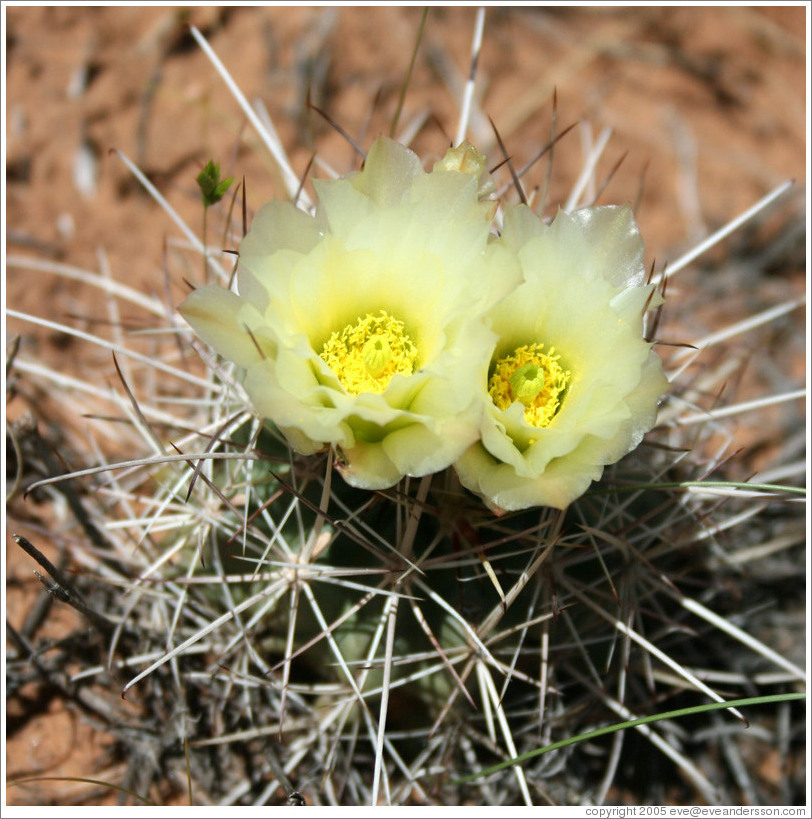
360, 328
572, 385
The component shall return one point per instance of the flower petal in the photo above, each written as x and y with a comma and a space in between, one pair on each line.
227, 323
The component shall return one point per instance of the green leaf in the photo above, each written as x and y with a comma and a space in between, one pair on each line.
211, 186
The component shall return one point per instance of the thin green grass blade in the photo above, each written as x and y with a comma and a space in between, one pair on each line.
622, 726
133, 794
774, 488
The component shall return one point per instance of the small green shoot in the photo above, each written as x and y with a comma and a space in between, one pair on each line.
212, 189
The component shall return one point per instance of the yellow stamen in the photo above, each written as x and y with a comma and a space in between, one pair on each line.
532, 377
365, 355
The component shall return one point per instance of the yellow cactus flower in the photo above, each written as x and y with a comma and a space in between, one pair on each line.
572, 384
361, 327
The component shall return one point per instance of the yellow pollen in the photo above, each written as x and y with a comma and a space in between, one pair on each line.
365, 355
532, 377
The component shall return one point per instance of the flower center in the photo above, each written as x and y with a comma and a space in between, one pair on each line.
365, 355
532, 377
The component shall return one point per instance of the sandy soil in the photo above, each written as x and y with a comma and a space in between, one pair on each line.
709, 102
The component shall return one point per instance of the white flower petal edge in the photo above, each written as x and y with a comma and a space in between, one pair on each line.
391, 248
583, 298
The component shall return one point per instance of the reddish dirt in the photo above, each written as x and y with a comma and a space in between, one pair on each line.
711, 101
